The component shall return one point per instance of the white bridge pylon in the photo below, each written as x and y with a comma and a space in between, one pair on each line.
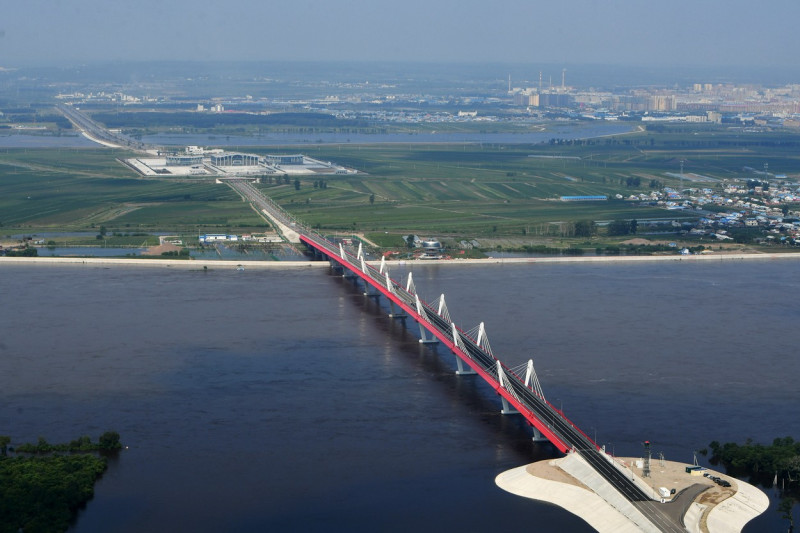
503, 381
389, 284
532, 380
532, 383
462, 371
410, 287
443, 312
424, 336
481, 339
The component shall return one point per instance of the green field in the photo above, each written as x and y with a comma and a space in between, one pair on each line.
459, 191
74, 190
489, 189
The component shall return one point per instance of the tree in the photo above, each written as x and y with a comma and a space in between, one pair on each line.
410, 241
617, 227
297, 184
585, 228
4, 442
785, 506
28, 251
792, 466
109, 441
371, 199
634, 226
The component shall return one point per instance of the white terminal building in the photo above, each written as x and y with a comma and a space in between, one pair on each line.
198, 161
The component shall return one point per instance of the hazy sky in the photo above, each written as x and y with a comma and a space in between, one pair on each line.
637, 32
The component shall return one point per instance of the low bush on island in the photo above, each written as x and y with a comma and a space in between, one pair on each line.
43, 485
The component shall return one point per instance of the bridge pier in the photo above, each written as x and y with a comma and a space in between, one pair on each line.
369, 292
464, 371
395, 313
507, 408
425, 337
538, 437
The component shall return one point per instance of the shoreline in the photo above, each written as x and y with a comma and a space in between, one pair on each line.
621, 258
200, 263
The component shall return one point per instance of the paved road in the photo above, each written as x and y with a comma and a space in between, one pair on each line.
97, 131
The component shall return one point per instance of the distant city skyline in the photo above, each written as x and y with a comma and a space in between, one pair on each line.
623, 32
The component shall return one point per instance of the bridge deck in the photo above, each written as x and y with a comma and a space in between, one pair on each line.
551, 422
559, 430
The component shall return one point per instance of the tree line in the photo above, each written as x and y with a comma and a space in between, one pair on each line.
157, 119
588, 228
778, 462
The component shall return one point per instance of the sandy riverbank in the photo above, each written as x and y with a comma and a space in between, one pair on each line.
159, 263
199, 264
615, 258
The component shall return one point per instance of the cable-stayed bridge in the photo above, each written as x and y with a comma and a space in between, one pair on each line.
519, 388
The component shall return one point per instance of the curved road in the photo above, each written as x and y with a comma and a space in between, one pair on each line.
95, 130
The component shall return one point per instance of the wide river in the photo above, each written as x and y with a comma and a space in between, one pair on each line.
284, 400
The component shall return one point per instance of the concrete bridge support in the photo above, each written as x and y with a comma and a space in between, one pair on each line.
537, 436
425, 337
371, 292
395, 311
463, 370
334, 266
508, 409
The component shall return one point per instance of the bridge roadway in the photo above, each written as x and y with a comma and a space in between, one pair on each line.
540, 413
95, 130
551, 422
